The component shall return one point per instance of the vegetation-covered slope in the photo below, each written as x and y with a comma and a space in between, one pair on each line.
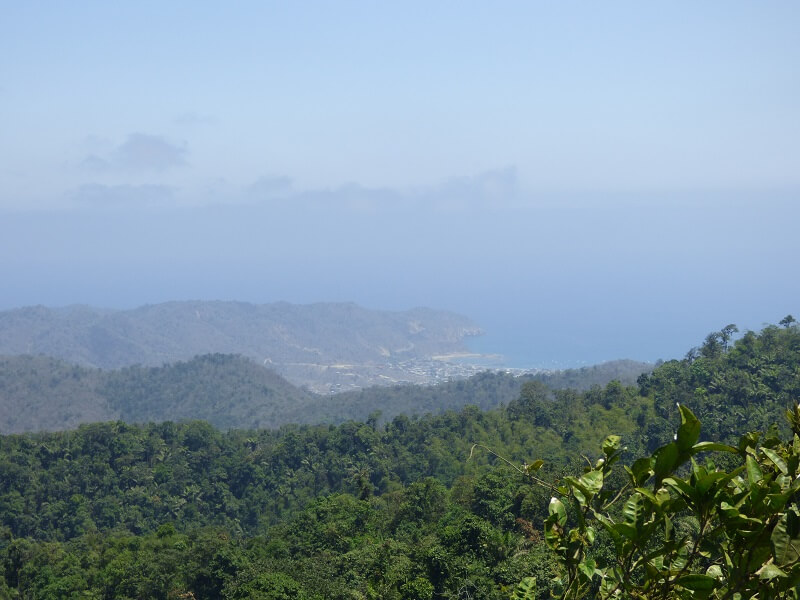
357, 510
40, 393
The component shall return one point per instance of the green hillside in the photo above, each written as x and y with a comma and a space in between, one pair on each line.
409, 509
39, 393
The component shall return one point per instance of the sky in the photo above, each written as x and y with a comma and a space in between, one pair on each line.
587, 181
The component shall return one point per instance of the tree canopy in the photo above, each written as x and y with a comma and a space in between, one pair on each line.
396, 510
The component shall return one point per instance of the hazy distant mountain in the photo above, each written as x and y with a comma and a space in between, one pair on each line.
43, 393
309, 344
206, 360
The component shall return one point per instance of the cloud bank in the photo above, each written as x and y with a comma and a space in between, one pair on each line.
140, 152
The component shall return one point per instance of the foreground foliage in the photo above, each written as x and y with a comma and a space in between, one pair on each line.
680, 528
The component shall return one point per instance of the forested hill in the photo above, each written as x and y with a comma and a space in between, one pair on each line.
485, 390
409, 509
325, 343
41, 393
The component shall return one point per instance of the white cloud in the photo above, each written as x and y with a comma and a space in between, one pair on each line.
149, 152
95, 163
140, 152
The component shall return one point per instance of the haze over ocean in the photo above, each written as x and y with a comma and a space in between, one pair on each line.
586, 182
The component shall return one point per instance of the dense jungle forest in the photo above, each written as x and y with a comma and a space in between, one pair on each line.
452, 505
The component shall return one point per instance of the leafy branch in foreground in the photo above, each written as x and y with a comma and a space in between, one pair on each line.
681, 527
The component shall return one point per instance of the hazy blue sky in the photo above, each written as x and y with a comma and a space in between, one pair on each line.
586, 180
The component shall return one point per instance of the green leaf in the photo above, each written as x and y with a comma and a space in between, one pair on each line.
785, 539
641, 470
608, 525
728, 511
556, 508
776, 460
770, 571
592, 481
697, 582
611, 444
525, 590
689, 431
633, 511
590, 535
712, 447
668, 529
666, 460
579, 495
608, 585
585, 487
587, 567
748, 440
716, 478
714, 571
754, 473
647, 494
626, 529
683, 488
534, 466
776, 502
